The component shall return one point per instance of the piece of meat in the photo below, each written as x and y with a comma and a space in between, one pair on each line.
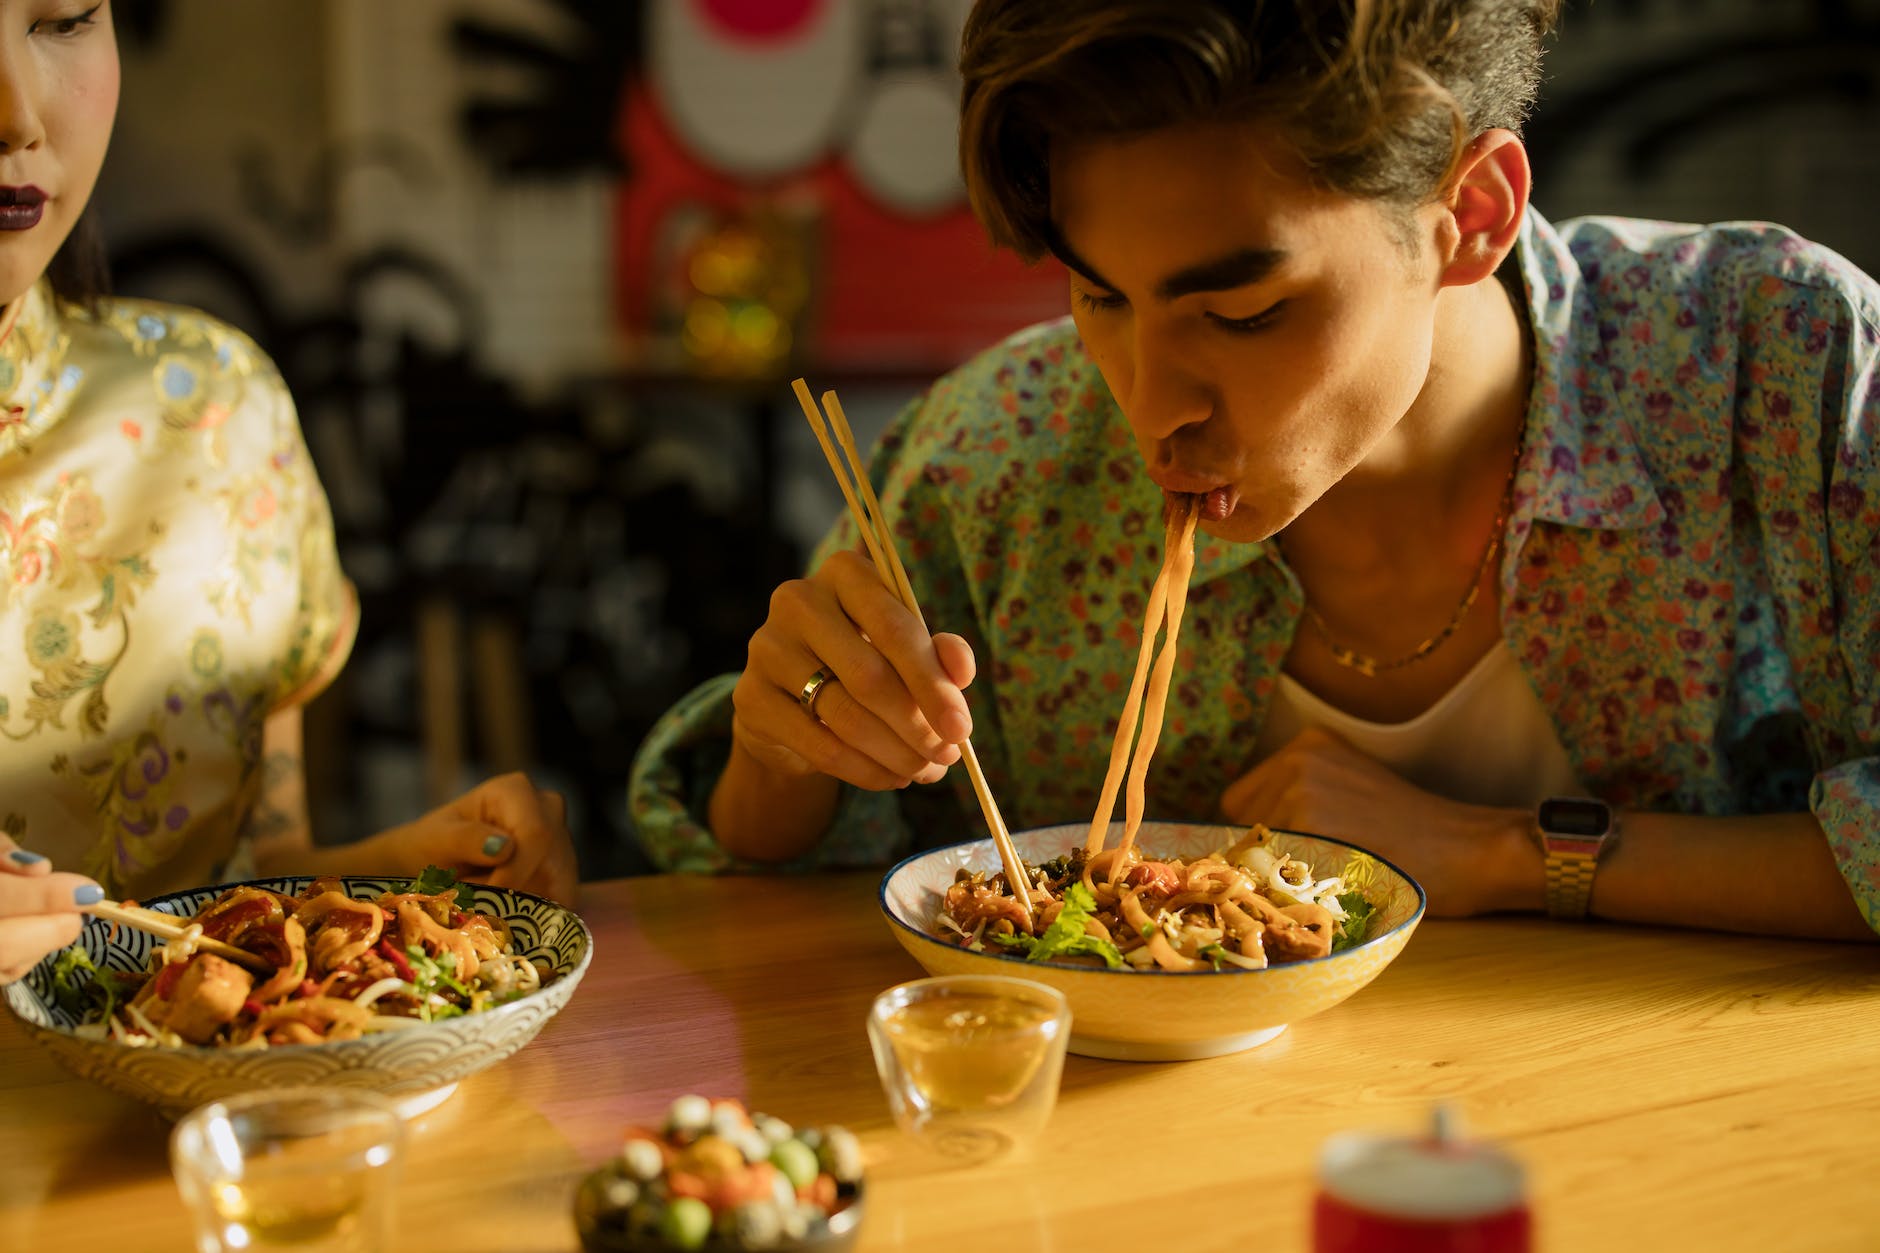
1309, 935
207, 998
970, 904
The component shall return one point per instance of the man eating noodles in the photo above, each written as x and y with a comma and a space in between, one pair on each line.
1537, 558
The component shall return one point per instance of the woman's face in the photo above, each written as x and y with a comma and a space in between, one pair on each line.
58, 97
1260, 334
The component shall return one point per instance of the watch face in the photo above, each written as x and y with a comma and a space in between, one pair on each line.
1574, 816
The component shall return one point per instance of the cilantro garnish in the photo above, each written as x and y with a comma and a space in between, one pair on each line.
436, 879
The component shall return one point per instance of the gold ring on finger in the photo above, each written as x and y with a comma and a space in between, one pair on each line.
812, 689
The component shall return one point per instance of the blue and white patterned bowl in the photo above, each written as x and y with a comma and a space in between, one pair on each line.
417, 1068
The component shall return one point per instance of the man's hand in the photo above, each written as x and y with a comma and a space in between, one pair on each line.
1470, 859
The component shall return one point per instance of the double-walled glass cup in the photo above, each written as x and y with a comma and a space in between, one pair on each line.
302, 1168
970, 1063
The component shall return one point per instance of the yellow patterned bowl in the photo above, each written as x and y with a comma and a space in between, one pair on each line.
1157, 1015
416, 1068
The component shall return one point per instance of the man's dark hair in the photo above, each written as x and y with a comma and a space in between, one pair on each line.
1377, 97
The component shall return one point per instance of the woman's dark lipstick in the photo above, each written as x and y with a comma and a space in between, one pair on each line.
21, 208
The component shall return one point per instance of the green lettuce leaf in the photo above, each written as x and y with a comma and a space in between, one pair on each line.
72, 977
1066, 937
1356, 922
86, 991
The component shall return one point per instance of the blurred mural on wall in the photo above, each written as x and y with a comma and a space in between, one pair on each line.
819, 136
537, 272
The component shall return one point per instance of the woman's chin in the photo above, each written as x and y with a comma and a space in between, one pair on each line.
17, 273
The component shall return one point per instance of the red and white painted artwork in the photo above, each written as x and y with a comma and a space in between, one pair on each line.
834, 120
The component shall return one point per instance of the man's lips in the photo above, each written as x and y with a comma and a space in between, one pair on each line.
1185, 483
1218, 499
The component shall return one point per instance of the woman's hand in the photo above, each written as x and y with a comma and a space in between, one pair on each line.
892, 713
38, 909
505, 832
1470, 859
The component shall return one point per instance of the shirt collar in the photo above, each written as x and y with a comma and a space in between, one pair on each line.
33, 341
1581, 465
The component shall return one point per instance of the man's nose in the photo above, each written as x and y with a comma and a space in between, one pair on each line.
1165, 394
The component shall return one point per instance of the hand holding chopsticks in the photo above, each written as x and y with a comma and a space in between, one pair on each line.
865, 509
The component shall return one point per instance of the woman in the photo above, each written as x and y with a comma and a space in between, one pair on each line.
1539, 560
169, 588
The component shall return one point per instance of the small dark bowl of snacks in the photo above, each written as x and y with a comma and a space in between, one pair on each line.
714, 1176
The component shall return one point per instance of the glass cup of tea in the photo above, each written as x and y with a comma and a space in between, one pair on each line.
302, 1168
970, 1063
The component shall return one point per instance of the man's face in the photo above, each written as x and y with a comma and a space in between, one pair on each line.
1259, 333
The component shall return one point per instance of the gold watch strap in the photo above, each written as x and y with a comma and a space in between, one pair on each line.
1569, 883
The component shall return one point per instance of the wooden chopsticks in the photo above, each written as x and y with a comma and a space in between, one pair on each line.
170, 927
874, 528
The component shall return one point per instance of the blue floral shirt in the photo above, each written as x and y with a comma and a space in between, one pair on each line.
1689, 579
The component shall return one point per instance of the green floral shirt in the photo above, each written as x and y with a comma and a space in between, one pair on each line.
1690, 578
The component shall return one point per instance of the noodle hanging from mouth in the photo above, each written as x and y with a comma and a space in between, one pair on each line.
1241, 906
1167, 601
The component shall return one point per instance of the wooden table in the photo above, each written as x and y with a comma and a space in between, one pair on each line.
1665, 1090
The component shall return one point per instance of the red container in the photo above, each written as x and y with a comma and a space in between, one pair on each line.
1419, 1194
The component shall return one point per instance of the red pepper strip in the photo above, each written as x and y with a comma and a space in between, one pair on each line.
399, 961
167, 979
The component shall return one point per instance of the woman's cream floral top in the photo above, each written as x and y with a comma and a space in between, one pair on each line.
168, 579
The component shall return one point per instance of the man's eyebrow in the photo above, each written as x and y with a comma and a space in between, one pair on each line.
1240, 268
1065, 253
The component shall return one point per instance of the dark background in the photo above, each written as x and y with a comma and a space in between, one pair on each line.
409, 205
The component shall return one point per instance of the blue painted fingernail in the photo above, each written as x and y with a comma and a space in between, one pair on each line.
87, 894
494, 845
20, 857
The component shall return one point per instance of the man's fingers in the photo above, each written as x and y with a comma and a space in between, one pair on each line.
900, 636
956, 658
865, 701
856, 725
765, 708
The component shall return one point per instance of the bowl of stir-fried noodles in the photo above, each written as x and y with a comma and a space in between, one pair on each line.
1202, 940
401, 987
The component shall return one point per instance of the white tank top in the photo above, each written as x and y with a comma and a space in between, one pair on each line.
1488, 741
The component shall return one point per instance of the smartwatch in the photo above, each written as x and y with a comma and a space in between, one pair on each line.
1573, 832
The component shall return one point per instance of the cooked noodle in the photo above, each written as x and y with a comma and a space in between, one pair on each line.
342, 967
1243, 906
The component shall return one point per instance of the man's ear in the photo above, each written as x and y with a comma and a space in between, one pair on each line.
1482, 206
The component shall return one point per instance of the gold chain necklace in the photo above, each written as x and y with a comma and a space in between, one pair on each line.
1370, 666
